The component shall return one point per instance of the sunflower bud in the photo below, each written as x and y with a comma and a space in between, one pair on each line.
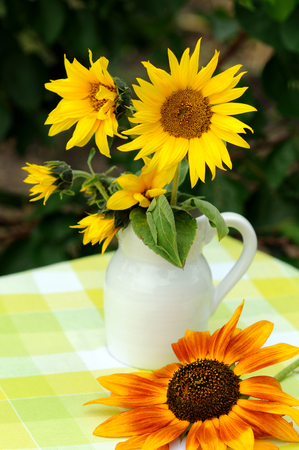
54, 176
124, 98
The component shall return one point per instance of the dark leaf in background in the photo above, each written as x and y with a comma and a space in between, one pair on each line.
281, 82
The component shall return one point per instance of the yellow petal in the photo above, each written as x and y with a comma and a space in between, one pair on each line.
143, 201
206, 72
230, 137
121, 200
61, 126
230, 124
84, 130
232, 108
155, 192
220, 82
221, 148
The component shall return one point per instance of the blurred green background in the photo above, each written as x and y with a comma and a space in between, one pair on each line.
263, 35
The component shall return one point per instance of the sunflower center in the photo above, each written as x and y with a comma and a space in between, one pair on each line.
186, 113
94, 89
202, 390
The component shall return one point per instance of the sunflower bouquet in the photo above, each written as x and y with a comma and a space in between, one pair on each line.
180, 123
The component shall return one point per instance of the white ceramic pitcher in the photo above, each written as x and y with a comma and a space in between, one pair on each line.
149, 303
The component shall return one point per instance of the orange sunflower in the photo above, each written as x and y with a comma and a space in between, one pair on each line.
204, 394
188, 112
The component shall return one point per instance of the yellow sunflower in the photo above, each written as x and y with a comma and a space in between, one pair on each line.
140, 189
89, 99
188, 112
97, 229
44, 180
205, 394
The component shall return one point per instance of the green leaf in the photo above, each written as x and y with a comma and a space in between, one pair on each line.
291, 230
211, 212
289, 32
23, 78
247, 4
161, 221
142, 230
280, 80
52, 16
145, 228
279, 10
259, 25
279, 162
186, 227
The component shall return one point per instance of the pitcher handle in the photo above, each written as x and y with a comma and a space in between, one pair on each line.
241, 224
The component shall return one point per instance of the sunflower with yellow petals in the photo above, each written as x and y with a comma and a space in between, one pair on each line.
139, 189
97, 229
52, 177
89, 98
188, 112
204, 394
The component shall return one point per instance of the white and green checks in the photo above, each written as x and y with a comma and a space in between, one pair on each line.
52, 343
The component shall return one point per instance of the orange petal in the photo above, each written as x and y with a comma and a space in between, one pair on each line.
270, 407
219, 341
198, 343
248, 341
133, 443
260, 387
135, 422
127, 384
265, 357
130, 402
165, 435
163, 447
262, 445
208, 437
235, 433
270, 424
167, 371
182, 351
192, 441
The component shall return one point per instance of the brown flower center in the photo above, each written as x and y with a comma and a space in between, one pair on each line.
94, 89
186, 113
202, 390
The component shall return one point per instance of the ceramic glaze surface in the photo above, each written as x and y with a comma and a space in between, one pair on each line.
150, 304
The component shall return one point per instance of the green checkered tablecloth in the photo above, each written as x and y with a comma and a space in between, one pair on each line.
52, 343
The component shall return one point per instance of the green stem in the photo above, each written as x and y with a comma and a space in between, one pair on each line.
98, 184
102, 190
80, 173
287, 370
175, 185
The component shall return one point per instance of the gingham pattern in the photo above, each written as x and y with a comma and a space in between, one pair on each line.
52, 344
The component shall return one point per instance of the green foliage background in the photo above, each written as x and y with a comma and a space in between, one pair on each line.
263, 185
